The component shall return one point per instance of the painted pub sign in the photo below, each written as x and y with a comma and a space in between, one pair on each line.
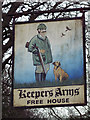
49, 63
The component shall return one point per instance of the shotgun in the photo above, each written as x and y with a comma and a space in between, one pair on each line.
40, 56
41, 59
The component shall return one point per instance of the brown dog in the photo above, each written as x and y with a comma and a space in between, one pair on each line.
59, 72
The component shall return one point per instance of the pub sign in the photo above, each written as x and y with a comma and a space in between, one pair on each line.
49, 63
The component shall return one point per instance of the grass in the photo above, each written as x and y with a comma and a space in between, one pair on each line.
49, 84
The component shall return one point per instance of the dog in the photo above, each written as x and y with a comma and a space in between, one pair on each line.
59, 72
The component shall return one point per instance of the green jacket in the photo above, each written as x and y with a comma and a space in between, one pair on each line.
41, 44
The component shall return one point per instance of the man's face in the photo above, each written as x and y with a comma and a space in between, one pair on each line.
43, 33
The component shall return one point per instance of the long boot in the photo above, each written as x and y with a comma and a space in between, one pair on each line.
43, 76
38, 77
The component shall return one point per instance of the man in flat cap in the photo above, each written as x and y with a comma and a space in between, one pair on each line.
41, 42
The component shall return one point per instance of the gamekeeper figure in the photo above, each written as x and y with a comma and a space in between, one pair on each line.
42, 56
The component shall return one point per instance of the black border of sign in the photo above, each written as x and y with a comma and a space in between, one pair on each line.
84, 59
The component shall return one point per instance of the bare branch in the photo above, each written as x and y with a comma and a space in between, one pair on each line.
6, 5
56, 114
6, 62
78, 111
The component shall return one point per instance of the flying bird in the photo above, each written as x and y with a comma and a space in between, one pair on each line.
67, 29
62, 35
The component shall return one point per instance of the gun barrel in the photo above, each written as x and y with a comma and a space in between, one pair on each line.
42, 62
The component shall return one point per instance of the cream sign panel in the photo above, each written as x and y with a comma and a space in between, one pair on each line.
54, 95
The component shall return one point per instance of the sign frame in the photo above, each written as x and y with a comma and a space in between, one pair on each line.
84, 61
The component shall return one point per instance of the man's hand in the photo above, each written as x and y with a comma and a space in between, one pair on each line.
42, 51
27, 44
